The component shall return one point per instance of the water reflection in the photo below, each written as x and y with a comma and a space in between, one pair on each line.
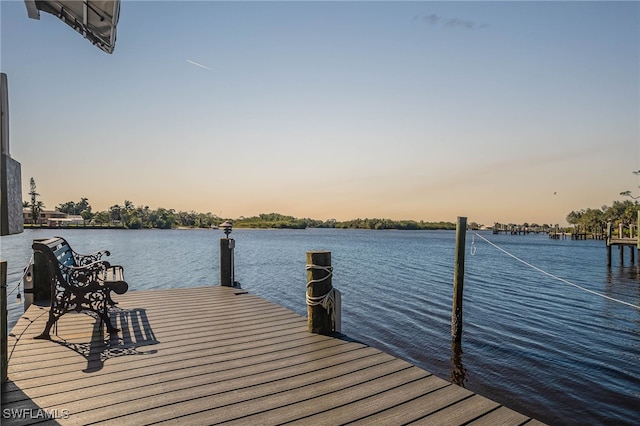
622, 284
458, 372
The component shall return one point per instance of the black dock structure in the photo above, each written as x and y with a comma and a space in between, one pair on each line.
209, 355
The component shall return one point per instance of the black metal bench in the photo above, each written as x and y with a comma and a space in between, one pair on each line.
79, 282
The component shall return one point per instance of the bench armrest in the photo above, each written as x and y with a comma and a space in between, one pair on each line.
96, 266
81, 276
113, 279
86, 259
95, 276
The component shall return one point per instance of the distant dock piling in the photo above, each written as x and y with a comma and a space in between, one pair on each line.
557, 234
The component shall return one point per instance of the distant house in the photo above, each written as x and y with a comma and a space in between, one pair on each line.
53, 218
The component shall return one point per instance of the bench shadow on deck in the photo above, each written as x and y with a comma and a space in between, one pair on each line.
135, 332
209, 355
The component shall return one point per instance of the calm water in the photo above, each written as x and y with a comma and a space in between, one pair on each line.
532, 342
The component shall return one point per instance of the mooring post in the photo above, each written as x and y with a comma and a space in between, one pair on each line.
637, 239
321, 302
226, 262
227, 266
4, 358
621, 251
458, 281
458, 373
609, 232
632, 253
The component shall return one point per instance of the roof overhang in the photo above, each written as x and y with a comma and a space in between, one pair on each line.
95, 20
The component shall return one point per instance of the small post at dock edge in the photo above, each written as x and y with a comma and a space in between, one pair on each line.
227, 278
608, 242
227, 261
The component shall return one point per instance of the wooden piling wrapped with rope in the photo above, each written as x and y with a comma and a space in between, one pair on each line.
322, 299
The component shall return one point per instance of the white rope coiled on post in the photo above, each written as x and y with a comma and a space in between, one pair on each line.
327, 300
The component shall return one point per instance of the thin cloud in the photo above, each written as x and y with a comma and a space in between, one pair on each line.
434, 20
199, 65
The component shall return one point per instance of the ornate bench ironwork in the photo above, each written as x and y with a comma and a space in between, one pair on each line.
79, 282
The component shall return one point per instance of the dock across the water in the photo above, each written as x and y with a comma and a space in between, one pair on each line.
210, 355
624, 238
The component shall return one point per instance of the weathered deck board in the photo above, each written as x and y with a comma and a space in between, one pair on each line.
215, 354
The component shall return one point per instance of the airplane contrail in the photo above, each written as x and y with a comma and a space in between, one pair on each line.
199, 65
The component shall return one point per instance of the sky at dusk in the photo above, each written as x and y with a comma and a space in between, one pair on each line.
497, 111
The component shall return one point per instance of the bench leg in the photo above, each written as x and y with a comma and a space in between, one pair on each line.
62, 303
46, 334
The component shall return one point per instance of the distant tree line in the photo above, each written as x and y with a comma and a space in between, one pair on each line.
277, 220
621, 212
131, 216
393, 224
595, 220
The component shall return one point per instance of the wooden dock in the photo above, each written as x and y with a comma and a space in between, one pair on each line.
625, 238
212, 355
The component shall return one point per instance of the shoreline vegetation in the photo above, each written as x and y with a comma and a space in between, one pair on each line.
129, 216
192, 220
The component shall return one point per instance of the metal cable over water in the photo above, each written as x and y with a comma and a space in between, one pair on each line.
473, 251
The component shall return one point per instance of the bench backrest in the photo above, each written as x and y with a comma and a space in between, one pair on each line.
47, 267
61, 250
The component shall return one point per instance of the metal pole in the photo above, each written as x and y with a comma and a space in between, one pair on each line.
226, 266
